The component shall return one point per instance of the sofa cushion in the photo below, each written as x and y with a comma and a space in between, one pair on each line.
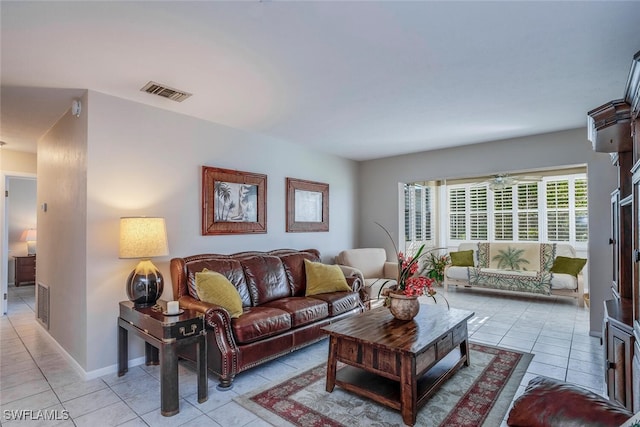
457, 273
567, 265
549, 402
339, 302
558, 281
228, 267
565, 249
214, 288
323, 278
293, 263
258, 323
462, 258
266, 278
516, 256
564, 281
370, 261
302, 310
374, 287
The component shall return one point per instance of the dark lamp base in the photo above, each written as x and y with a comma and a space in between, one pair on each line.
145, 285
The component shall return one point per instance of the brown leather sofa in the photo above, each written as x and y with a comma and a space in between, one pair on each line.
547, 402
277, 317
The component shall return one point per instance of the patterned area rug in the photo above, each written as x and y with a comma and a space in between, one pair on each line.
478, 395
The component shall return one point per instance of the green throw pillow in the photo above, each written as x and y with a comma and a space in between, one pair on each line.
214, 288
566, 265
462, 258
323, 278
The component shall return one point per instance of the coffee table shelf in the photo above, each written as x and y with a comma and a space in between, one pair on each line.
380, 389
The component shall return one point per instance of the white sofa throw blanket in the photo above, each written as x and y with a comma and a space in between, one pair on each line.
520, 267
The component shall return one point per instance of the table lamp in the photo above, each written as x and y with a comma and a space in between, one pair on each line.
143, 237
30, 236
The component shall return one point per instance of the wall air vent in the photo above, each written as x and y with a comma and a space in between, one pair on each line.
165, 91
42, 301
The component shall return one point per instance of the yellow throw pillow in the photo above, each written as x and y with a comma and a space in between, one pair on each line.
323, 278
214, 288
462, 258
568, 265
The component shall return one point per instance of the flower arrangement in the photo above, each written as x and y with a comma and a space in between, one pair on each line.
435, 265
408, 283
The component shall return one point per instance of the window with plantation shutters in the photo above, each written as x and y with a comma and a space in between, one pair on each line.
407, 212
478, 213
581, 213
418, 211
457, 214
528, 212
503, 213
558, 219
418, 215
428, 214
553, 209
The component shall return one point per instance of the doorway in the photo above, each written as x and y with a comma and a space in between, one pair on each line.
19, 243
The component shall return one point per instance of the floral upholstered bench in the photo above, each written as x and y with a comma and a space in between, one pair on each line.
539, 268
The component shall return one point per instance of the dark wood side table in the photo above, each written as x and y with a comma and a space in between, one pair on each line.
163, 335
25, 269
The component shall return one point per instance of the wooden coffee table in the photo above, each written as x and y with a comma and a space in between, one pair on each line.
398, 364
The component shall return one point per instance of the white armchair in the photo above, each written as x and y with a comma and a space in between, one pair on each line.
371, 266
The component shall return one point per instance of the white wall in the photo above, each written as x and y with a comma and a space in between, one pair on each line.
17, 161
147, 161
379, 180
62, 261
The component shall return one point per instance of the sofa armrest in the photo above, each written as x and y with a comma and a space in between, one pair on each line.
189, 302
548, 402
222, 350
355, 280
580, 290
349, 271
357, 285
216, 318
390, 270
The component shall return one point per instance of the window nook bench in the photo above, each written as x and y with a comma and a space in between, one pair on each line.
539, 268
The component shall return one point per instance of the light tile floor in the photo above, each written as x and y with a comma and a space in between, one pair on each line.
34, 375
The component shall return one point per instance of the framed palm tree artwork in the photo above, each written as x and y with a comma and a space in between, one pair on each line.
233, 202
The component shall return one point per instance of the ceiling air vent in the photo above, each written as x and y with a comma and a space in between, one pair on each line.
165, 91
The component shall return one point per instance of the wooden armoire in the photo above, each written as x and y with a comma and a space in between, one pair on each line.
615, 128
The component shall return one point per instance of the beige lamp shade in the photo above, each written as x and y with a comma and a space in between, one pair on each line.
29, 235
143, 237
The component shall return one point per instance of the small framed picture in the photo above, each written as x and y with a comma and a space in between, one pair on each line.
307, 206
233, 202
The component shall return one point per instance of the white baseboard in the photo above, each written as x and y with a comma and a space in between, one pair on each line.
112, 369
96, 373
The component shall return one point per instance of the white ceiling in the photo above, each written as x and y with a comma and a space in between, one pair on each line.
358, 79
